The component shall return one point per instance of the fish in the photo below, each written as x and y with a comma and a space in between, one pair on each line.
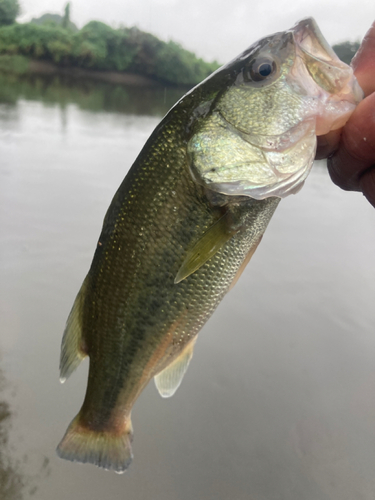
187, 219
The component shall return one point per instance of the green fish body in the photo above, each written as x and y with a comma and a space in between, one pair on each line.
185, 222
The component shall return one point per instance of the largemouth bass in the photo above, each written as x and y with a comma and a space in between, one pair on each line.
187, 219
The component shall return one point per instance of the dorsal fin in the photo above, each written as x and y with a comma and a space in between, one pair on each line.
72, 346
168, 380
206, 247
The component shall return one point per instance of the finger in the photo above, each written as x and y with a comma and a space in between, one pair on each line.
356, 154
367, 185
327, 144
363, 62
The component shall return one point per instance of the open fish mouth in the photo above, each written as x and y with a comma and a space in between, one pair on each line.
260, 140
336, 87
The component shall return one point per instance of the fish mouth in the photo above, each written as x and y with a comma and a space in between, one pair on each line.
260, 162
335, 84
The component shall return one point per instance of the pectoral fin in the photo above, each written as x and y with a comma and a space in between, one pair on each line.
168, 380
72, 346
210, 243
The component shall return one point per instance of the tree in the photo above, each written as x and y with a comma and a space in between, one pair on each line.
9, 10
53, 19
346, 50
66, 19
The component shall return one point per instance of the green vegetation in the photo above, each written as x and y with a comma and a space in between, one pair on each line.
97, 46
9, 10
66, 18
346, 50
18, 65
55, 19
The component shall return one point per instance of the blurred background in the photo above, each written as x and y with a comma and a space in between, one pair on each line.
279, 400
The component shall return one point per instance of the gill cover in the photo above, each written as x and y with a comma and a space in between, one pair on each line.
259, 138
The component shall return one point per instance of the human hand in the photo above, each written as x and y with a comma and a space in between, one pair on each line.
352, 164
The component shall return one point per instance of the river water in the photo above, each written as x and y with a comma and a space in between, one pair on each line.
279, 400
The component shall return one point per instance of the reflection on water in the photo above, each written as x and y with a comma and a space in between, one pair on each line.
279, 399
89, 95
15, 482
11, 480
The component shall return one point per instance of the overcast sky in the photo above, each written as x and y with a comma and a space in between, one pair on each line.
216, 29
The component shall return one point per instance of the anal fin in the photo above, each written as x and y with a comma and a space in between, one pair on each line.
72, 346
168, 380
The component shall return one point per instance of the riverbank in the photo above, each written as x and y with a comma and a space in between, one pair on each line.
21, 66
103, 53
132, 96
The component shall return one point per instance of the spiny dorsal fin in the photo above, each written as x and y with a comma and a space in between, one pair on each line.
72, 346
168, 380
210, 243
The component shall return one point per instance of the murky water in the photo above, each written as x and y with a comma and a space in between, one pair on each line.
279, 400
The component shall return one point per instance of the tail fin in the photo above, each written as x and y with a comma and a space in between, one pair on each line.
104, 449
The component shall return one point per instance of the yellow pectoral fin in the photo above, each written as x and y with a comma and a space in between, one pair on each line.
210, 243
72, 346
245, 262
168, 380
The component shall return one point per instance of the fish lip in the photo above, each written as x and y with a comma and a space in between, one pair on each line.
312, 47
315, 51
330, 81
309, 38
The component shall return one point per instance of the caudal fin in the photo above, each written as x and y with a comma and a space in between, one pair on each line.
104, 449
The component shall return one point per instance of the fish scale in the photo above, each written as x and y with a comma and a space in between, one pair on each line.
184, 223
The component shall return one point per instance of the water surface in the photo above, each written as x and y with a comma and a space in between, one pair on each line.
279, 400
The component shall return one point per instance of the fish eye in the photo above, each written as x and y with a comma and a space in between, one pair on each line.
259, 69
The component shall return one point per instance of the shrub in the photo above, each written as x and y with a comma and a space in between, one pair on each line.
9, 10
98, 46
